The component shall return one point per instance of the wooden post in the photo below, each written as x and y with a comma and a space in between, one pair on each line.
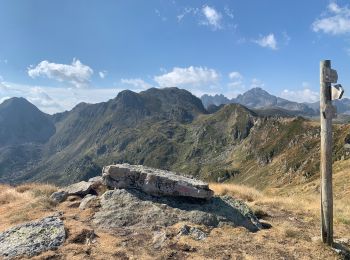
327, 76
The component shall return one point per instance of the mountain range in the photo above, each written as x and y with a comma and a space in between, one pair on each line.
163, 128
257, 98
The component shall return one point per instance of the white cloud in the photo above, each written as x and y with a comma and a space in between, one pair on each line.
102, 74
303, 95
257, 83
234, 75
236, 80
191, 76
52, 100
336, 21
77, 73
137, 83
212, 17
268, 41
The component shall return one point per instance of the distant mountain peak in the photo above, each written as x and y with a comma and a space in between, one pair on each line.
258, 98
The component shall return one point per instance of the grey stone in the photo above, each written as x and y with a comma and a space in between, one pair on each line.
159, 239
59, 196
32, 238
194, 232
96, 181
89, 201
80, 188
197, 234
154, 181
133, 208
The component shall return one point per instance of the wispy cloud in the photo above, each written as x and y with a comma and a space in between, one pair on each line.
191, 76
335, 21
228, 12
102, 74
236, 80
159, 14
76, 73
186, 11
136, 83
306, 94
256, 83
212, 17
268, 41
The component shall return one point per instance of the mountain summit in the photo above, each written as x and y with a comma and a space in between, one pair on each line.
22, 122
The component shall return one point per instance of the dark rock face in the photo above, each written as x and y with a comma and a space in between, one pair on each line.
132, 208
32, 238
154, 181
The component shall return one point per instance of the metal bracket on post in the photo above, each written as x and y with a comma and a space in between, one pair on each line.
337, 92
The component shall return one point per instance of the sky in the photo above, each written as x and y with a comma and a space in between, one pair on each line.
60, 53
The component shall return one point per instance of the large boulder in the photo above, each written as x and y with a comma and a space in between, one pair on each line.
32, 238
154, 181
122, 208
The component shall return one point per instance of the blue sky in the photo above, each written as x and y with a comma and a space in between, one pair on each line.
60, 53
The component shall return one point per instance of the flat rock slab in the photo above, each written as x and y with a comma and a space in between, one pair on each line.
80, 188
154, 181
133, 208
32, 238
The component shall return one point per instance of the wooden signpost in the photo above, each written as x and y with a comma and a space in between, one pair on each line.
327, 113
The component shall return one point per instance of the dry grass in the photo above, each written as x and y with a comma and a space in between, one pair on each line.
37, 189
24, 203
238, 191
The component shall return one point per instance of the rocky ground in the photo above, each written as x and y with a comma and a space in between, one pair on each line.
131, 224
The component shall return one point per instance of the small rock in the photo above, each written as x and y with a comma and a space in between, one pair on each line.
194, 232
159, 238
197, 234
89, 201
81, 188
32, 238
185, 230
59, 196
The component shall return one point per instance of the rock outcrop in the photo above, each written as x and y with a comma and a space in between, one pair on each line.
80, 188
154, 181
32, 238
133, 208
